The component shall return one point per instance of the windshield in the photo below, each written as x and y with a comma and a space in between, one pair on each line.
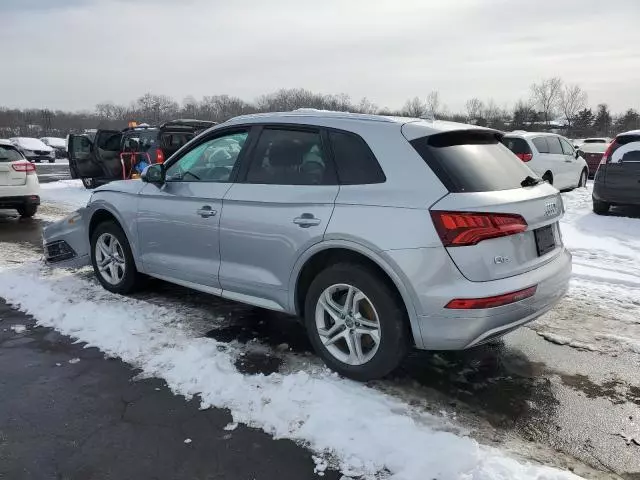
55, 142
31, 143
472, 161
9, 154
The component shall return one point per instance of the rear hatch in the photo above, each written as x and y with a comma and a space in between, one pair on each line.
592, 154
10, 176
499, 219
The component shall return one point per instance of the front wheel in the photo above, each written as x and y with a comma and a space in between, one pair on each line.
583, 179
600, 208
112, 259
52, 161
356, 322
89, 183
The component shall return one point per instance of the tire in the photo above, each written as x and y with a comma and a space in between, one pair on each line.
600, 208
582, 182
89, 183
27, 211
380, 302
52, 161
548, 177
127, 279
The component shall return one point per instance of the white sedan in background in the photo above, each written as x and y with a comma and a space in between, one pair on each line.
19, 187
551, 156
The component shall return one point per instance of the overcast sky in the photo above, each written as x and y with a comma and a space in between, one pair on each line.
72, 54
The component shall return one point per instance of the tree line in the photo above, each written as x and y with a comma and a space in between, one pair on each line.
552, 104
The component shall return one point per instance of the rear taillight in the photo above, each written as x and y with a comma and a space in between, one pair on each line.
525, 157
25, 167
607, 154
159, 155
491, 302
457, 229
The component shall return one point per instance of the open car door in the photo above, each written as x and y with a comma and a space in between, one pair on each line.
95, 159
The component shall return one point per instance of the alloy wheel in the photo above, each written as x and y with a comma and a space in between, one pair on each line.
110, 258
348, 324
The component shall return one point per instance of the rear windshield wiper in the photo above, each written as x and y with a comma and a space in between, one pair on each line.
529, 181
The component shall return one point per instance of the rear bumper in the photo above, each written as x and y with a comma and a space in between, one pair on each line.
450, 329
19, 201
614, 196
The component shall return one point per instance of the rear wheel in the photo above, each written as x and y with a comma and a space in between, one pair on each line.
112, 259
356, 322
89, 183
27, 211
52, 161
548, 177
601, 208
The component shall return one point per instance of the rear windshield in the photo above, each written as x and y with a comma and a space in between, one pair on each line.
9, 154
626, 149
595, 140
519, 146
472, 161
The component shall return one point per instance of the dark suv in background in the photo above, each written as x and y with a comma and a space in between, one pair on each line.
105, 155
617, 180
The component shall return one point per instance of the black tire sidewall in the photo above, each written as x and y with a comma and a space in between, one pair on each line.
394, 331
27, 211
129, 281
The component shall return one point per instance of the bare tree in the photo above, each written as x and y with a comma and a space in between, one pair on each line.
545, 96
433, 103
366, 106
475, 108
415, 107
572, 100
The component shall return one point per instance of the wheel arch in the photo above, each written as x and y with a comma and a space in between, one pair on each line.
102, 213
317, 257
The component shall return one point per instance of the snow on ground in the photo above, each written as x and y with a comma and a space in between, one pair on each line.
357, 429
70, 194
602, 309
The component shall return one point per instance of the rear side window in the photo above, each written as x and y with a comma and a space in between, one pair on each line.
554, 145
290, 157
355, 162
519, 146
472, 161
173, 141
541, 144
9, 154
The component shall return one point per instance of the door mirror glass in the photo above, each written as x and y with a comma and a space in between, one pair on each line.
153, 174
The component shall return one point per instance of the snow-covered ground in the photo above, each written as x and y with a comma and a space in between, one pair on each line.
358, 429
602, 309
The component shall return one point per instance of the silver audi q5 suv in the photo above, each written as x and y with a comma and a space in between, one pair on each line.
382, 234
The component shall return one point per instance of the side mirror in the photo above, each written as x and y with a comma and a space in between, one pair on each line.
153, 174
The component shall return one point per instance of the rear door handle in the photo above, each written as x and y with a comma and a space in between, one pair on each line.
306, 220
206, 211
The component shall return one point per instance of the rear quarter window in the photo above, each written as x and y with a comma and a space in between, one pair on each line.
472, 161
355, 162
516, 145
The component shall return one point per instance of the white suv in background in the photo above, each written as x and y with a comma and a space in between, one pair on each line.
551, 156
19, 187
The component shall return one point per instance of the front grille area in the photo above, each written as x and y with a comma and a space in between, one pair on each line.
58, 251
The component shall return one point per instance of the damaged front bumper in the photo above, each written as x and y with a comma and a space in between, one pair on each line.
66, 242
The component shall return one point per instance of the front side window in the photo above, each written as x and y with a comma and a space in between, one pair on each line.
566, 147
541, 144
211, 161
290, 157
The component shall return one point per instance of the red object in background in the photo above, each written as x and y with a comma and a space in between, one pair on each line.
525, 157
159, 155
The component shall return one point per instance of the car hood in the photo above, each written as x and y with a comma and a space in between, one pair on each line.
122, 186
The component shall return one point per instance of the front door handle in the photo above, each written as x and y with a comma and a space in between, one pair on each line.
306, 220
206, 211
